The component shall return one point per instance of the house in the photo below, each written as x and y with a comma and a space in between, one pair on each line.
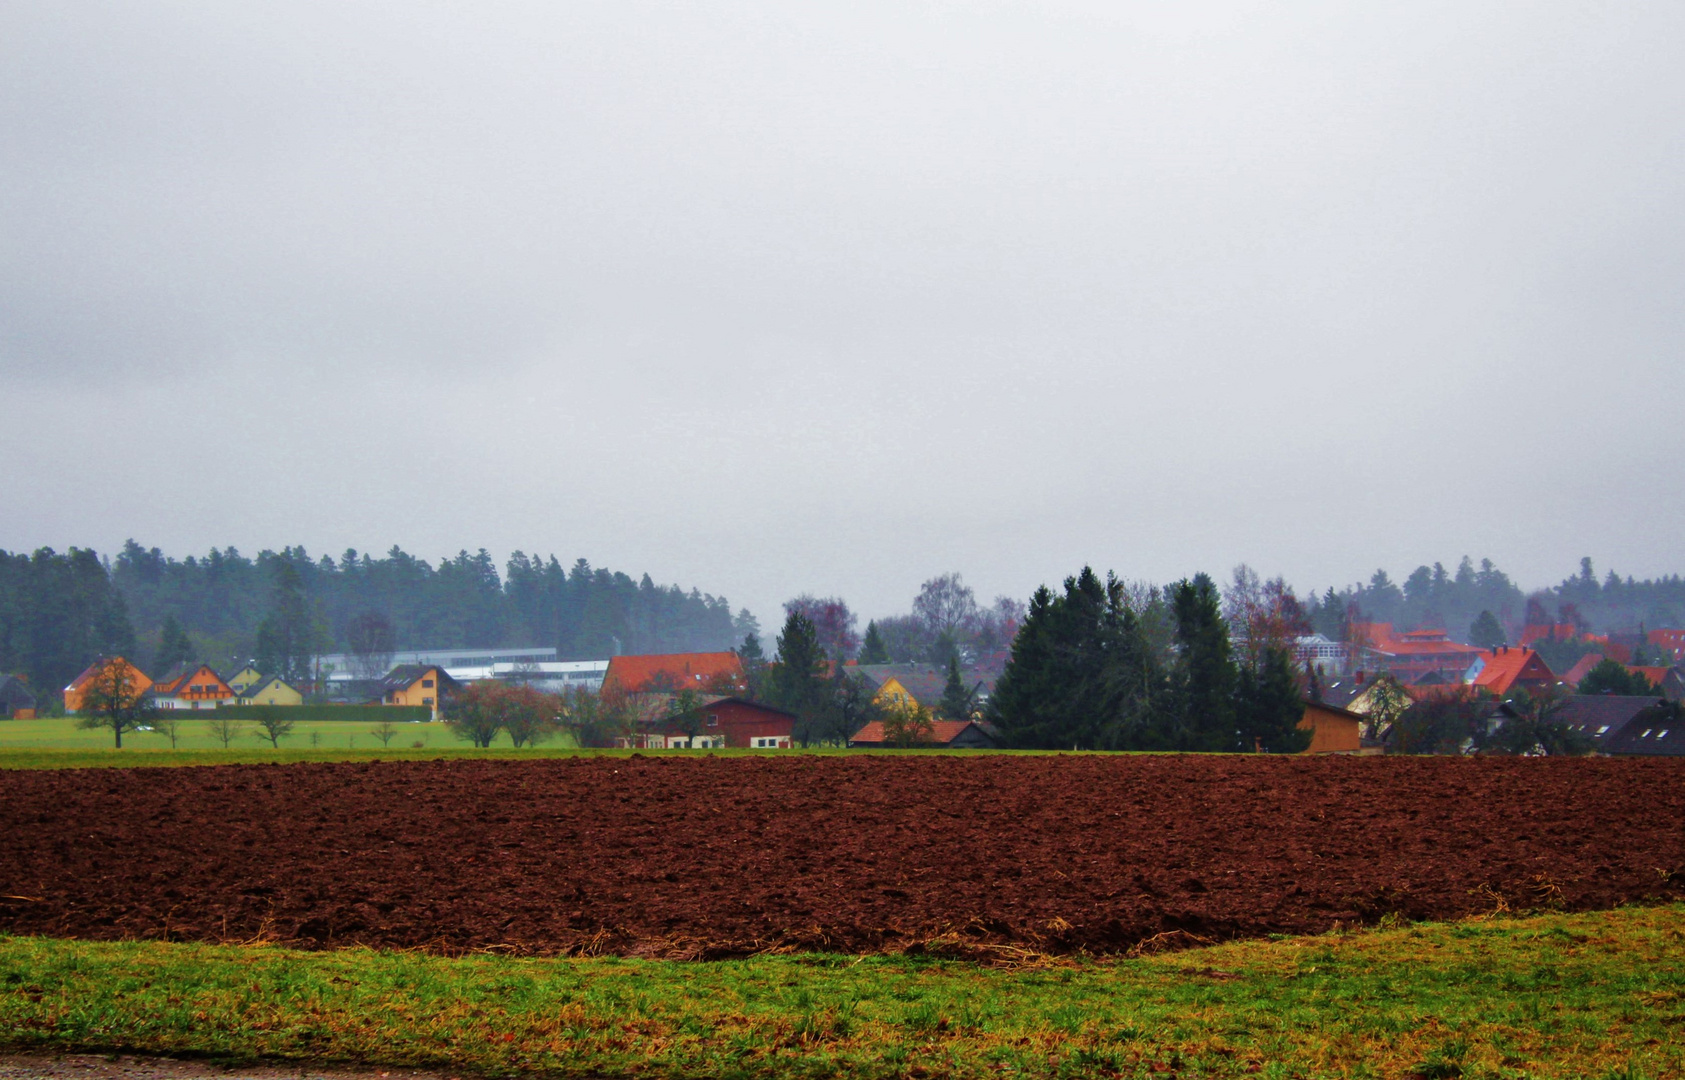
1602, 717
417, 684
1658, 731
1671, 642
248, 676
947, 734
17, 701
1414, 654
137, 680
666, 673
269, 691
1535, 632
1582, 667
1503, 669
726, 722
1333, 730
190, 686
901, 685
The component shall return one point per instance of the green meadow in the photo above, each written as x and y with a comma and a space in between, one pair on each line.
1600, 995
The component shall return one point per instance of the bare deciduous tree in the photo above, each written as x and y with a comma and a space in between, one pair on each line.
225, 729
114, 700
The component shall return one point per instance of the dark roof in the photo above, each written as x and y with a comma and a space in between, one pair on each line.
1343, 692
925, 682
1658, 730
1602, 716
14, 694
405, 675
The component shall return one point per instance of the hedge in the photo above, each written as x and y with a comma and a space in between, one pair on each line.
363, 714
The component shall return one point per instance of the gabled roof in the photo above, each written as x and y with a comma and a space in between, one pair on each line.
171, 683
635, 674
1548, 632
404, 676
16, 693
1582, 667
942, 732
925, 681
265, 683
1602, 716
1656, 731
1500, 669
1654, 674
88, 672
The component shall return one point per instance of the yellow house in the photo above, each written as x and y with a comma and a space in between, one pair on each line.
898, 686
248, 677
416, 684
269, 691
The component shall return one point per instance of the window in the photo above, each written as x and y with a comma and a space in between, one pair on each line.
1662, 734
713, 720
427, 684
1603, 729
427, 701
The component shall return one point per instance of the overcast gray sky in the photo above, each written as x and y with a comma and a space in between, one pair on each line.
838, 296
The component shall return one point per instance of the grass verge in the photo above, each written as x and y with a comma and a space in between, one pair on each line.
1589, 995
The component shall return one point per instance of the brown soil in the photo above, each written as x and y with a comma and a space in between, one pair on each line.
722, 856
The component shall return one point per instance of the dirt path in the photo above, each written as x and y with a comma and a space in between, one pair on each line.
693, 857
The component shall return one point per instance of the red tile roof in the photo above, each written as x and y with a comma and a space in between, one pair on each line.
1547, 632
684, 671
1654, 674
942, 732
1582, 667
1502, 668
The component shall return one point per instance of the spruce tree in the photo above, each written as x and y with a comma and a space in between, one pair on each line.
872, 648
1206, 674
1268, 707
957, 702
798, 679
174, 647
1487, 632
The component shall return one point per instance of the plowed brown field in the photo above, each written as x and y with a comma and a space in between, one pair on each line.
721, 856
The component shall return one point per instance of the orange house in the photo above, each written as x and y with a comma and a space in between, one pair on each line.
1333, 730
74, 693
192, 687
1502, 669
714, 672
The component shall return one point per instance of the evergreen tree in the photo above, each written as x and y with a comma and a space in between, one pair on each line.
1205, 679
797, 681
1612, 677
1487, 632
173, 646
1268, 707
957, 702
872, 648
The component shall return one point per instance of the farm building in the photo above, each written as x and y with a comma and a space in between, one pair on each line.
1333, 730
725, 722
137, 680
948, 734
190, 686
417, 684
17, 701
714, 672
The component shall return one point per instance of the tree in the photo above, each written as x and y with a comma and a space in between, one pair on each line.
958, 702
1206, 678
224, 729
908, 724
851, 704
273, 726
1387, 702
872, 648
1448, 722
527, 715
1612, 677
1487, 632
166, 723
797, 682
113, 700
596, 719
1535, 728
288, 638
1268, 707
474, 714
684, 711
832, 621
173, 646
372, 642
384, 731
946, 609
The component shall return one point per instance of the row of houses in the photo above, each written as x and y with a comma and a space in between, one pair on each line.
197, 687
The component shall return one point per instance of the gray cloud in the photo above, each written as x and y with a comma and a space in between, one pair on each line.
842, 296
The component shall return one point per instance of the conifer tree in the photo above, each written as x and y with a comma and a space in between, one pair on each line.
174, 647
872, 648
1206, 675
1268, 707
798, 679
957, 702
1487, 632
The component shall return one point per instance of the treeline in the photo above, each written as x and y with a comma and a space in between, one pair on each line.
59, 611
1105, 666
1432, 596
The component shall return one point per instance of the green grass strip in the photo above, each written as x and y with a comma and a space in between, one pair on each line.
1589, 995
